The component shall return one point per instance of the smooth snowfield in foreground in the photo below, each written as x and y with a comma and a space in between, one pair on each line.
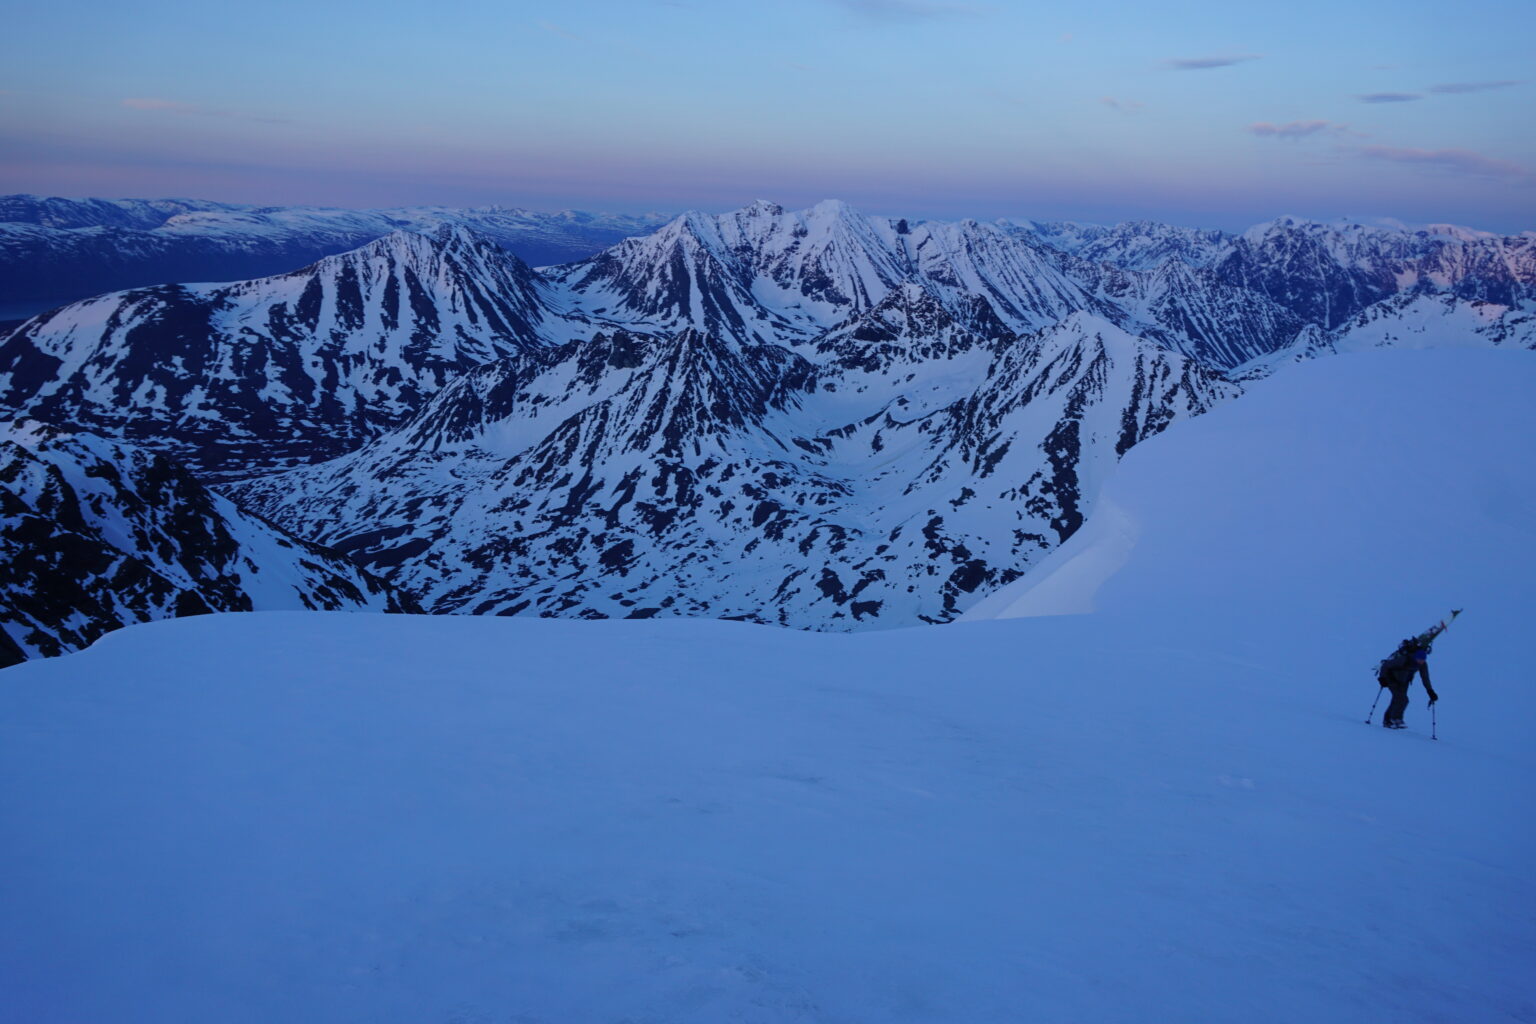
1169, 810
331, 817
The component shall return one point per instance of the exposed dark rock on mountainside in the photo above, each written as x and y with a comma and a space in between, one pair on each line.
637, 475
98, 535
240, 378
813, 418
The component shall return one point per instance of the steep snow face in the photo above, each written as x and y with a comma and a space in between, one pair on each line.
1366, 491
1196, 311
250, 376
763, 269
1411, 320
683, 475
1327, 273
100, 535
1131, 245
1231, 300
55, 251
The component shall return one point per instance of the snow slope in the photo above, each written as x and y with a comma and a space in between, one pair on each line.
1364, 489
1168, 810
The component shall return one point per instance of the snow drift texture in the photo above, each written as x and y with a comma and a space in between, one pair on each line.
1168, 810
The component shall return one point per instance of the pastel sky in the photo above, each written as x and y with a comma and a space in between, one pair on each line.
1205, 113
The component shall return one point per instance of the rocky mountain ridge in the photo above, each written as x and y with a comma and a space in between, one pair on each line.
98, 535
814, 418
54, 251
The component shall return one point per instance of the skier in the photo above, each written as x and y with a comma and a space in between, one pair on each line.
1410, 659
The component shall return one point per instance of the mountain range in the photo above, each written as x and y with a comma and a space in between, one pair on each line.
814, 418
55, 250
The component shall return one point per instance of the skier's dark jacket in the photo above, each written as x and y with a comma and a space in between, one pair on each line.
1408, 660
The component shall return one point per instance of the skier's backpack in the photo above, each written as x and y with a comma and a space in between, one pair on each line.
1396, 661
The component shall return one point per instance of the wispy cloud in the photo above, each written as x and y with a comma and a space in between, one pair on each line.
1128, 106
911, 10
1297, 129
1454, 161
1460, 87
1204, 63
196, 110
1389, 97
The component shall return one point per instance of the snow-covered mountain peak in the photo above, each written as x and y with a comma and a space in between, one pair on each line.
427, 248
1461, 234
1092, 335
307, 363
1083, 324
828, 209
1342, 231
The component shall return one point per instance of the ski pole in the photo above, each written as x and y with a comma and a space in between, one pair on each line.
1373, 706
1433, 734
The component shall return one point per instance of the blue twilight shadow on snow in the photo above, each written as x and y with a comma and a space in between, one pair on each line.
1360, 493
1167, 810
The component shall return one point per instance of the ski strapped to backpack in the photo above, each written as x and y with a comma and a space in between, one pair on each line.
1423, 640
1426, 637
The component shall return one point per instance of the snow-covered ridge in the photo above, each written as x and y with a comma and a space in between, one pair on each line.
303, 365
654, 475
54, 251
816, 417
1167, 810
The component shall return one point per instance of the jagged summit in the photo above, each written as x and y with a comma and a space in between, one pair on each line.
817, 417
447, 248
305, 364
57, 251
